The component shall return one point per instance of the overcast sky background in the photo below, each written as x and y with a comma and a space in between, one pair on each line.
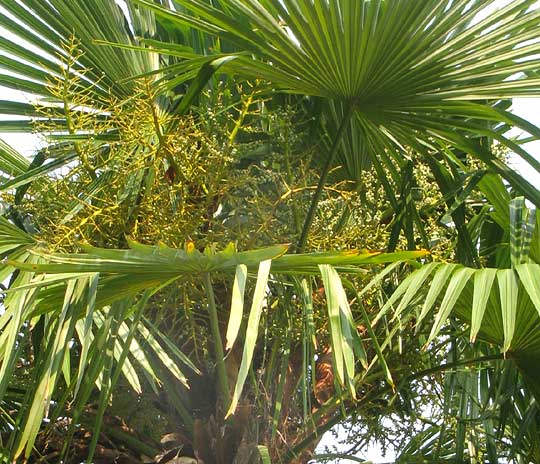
527, 108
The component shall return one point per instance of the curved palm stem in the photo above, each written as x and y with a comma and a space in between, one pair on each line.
349, 111
218, 344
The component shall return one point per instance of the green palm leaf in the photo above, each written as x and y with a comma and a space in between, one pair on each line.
412, 71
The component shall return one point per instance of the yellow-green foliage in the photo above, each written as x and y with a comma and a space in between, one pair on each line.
151, 186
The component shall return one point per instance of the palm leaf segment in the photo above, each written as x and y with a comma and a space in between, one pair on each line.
418, 74
501, 305
52, 45
92, 297
41, 29
124, 273
60, 55
335, 49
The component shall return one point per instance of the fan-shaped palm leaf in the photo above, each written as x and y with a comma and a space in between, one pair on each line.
102, 314
415, 73
501, 305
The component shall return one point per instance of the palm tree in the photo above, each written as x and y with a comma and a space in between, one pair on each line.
500, 306
147, 110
